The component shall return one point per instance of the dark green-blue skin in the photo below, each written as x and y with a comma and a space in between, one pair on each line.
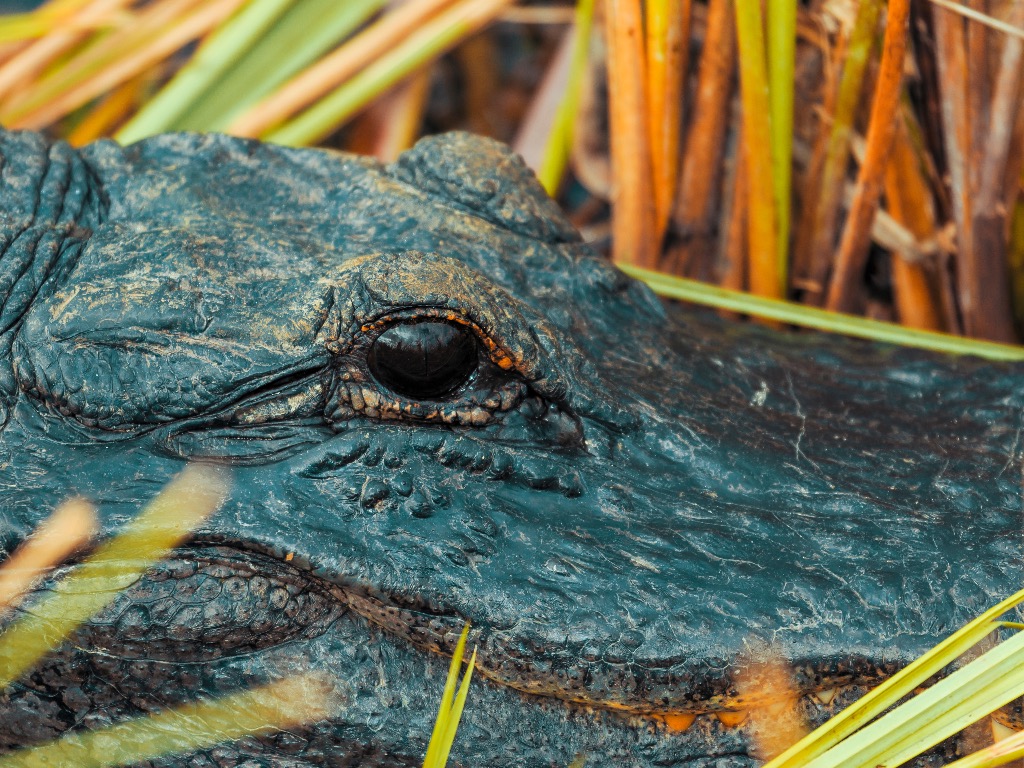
622, 503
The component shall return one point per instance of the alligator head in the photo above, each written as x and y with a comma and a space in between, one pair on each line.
440, 406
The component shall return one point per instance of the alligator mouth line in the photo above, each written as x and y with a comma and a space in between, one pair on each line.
215, 599
222, 581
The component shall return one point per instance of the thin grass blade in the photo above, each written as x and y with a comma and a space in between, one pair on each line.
556, 151
456, 714
992, 680
822, 320
444, 709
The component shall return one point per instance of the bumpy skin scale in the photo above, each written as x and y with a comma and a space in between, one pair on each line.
622, 503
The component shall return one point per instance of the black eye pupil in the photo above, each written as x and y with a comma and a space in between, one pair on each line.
423, 361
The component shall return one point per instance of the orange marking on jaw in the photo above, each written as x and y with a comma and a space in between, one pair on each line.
679, 721
732, 719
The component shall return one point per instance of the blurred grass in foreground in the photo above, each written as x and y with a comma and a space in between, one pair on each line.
854, 739
189, 499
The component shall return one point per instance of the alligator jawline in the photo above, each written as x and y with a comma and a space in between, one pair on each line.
217, 565
434, 630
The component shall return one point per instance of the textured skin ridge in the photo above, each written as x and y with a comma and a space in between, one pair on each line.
50, 203
504, 190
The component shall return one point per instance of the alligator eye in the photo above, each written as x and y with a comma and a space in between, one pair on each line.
425, 360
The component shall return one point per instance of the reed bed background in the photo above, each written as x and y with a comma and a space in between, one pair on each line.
853, 155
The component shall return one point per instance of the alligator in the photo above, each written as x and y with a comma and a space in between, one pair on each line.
439, 405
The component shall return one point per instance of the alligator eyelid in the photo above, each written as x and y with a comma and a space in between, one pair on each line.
497, 352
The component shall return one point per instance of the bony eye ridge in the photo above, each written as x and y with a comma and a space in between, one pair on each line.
424, 360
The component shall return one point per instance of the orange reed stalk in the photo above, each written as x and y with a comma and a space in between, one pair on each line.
699, 192
909, 201
853, 247
668, 34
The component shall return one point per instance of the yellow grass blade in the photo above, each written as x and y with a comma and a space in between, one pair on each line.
278, 705
822, 320
455, 715
764, 276
444, 711
781, 63
425, 44
556, 152
179, 508
896, 687
991, 681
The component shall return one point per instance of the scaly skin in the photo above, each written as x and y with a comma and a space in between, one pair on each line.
623, 503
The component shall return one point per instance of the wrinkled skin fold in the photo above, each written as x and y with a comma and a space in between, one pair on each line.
623, 502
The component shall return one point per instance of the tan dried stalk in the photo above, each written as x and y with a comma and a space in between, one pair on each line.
998, 145
69, 528
982, 288
632, 198
332, 70
96, 53
34, 57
